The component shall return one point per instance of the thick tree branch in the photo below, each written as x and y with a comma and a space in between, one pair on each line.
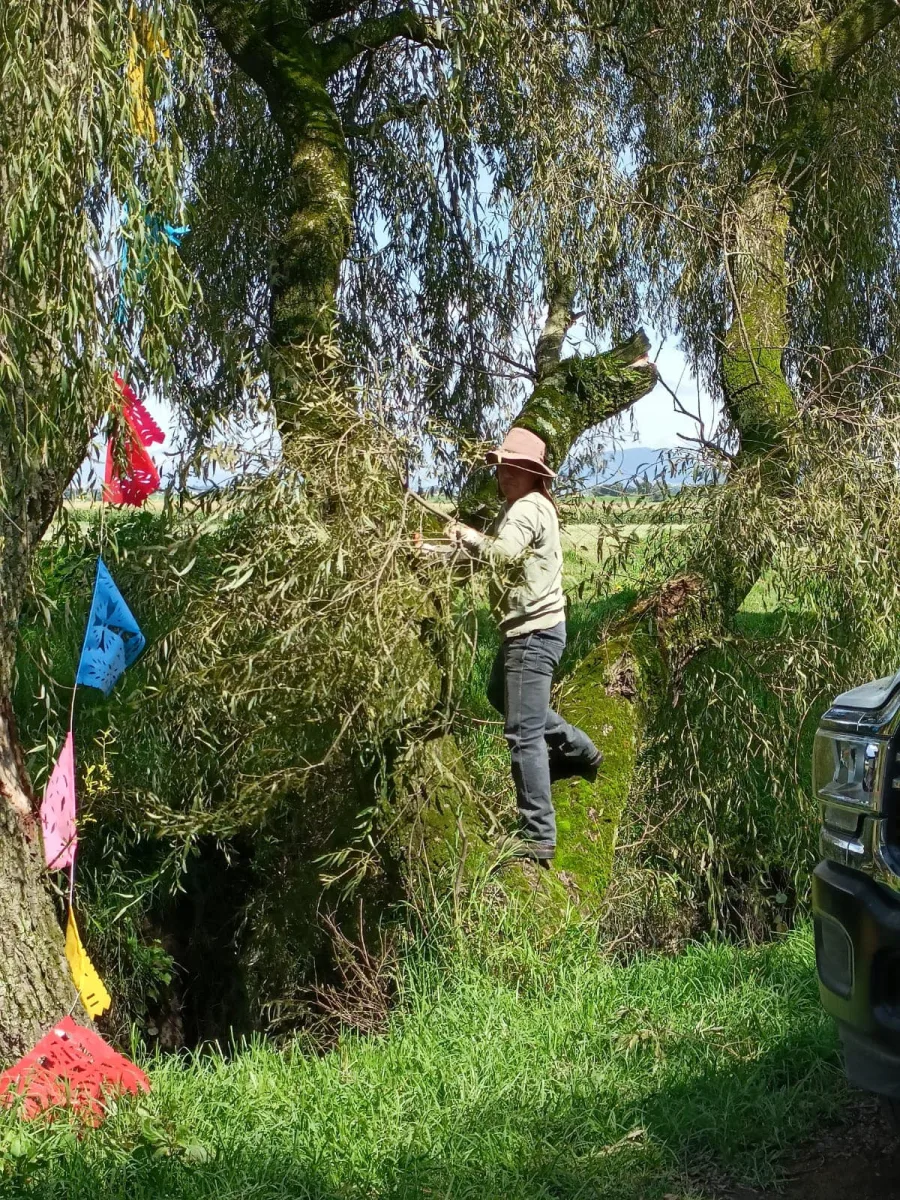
406, 23
320, 11
582, 392
818, 49
240, 37
568, 401
559, 320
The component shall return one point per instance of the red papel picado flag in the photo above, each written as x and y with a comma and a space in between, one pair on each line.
136, 415
139, 478
70, 1067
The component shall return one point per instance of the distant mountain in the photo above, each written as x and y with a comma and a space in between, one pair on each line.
629, 464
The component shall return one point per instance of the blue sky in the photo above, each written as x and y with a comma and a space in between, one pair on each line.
656, 419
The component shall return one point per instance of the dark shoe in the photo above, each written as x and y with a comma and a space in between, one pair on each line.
576, 770
589, 771
541, 852
517, 849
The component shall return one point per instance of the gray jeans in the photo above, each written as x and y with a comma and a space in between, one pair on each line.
542, 745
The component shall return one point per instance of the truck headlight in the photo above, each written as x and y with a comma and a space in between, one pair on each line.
848, 769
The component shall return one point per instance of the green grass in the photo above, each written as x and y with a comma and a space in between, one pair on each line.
512, 1068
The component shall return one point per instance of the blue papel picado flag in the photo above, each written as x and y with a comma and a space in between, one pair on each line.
113, 639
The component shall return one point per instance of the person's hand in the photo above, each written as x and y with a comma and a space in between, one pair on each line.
429, 549
455, 533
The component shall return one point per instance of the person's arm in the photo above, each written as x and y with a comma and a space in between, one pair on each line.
520, 531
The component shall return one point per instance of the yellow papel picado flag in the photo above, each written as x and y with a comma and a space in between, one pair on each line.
94, 996
142, 40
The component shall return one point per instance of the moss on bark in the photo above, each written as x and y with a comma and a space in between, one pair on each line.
439, 825
759, 400
600, 699
581, 392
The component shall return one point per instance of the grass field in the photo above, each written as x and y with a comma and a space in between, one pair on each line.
509, 1070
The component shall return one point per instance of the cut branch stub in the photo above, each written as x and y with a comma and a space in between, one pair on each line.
576, 395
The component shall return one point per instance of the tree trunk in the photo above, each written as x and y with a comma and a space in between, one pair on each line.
36, 988
307, 259
691, 612
35, 985
292, 69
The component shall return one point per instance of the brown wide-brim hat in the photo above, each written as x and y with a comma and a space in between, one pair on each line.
523, 449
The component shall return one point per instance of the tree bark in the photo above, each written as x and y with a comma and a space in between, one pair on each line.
35, 985
36, 988
292, 69
757, 396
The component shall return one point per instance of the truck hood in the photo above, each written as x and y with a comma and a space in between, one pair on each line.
869, 696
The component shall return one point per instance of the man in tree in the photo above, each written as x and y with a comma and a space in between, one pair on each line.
530, 607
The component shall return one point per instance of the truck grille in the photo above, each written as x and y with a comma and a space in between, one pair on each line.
842, 820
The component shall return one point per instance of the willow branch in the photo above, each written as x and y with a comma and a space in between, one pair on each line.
397, 112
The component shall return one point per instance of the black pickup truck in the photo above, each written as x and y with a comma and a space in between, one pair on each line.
856, 887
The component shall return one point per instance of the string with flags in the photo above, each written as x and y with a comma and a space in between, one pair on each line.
70, 1064
113, 640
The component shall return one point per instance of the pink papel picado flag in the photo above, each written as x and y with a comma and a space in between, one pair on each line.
58, 810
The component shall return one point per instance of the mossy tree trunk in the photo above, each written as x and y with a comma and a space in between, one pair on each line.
758, 397
35, 985
279, 55
284, 52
